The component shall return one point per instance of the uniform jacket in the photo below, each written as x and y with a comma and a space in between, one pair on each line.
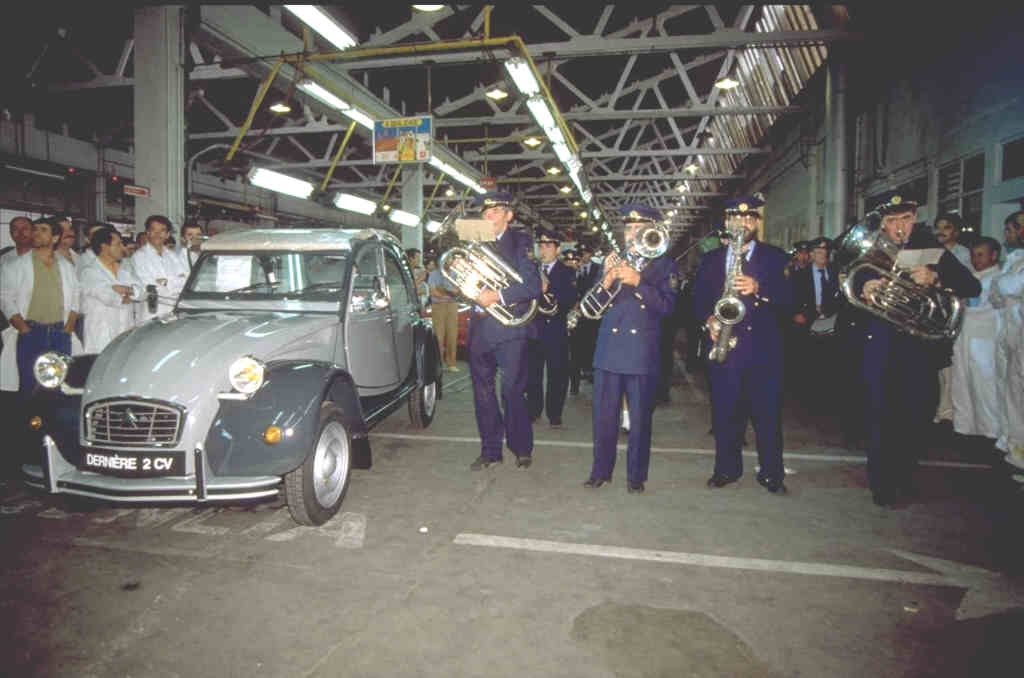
585, 282
803, 292
561, 283
514, 249
759, 334
627, 341
879, 336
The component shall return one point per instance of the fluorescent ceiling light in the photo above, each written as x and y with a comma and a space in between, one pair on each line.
429, 8
450, 192
433, 226
532, 142
692, 168
522, 76
596, 212
40, 173
404, 218
727, 83
562, 152
456, 174
565, 189
681, 188
539, 108
281, 107
360, 117
554, 169
353, 203
320, 22
281, 183
496, 93
587, 195
317, 91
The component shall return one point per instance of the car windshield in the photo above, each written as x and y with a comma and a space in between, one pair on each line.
269, 275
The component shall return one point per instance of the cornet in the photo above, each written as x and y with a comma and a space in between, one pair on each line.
649, 243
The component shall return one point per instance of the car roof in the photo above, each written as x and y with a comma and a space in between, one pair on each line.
295, 239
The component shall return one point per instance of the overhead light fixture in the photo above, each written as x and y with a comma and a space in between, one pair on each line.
323, 24
353, 203
670, 213
583, 214
319, 92
681, 188
554, 169
456, 174
692, 168
404, 218
522, 75
532, 142
281, 107
429, 8
280, 183
594, 229
565, 189
433, 226
385, 207
576, 203
450, 192
39, 173
496, 93
727, 83
596, 213
541, 113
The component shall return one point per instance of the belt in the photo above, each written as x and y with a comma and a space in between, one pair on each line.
33, 323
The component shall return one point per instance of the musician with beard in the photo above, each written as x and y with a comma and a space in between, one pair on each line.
626, 357
749, 379
898, 369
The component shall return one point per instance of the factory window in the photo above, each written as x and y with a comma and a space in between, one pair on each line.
1013, 159
961, 185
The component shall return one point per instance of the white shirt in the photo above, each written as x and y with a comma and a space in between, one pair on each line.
105, 315
149, 267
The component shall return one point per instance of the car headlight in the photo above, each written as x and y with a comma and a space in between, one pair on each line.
246, 375
51, 369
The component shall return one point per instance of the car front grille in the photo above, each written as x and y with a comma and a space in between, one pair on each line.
132, 423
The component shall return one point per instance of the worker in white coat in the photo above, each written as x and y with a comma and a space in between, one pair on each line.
1007, 295
974, 399
108, 290
157, 265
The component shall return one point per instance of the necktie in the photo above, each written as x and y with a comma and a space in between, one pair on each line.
547, 269
824, 277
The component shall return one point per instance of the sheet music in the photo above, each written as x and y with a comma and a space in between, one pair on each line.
480, 230
911, 258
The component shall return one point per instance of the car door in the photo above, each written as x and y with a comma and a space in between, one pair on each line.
405, 309
369, 346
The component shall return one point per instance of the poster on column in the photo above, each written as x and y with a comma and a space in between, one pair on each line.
403, 139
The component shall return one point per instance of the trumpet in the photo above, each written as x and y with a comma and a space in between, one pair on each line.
649, 243
548, 304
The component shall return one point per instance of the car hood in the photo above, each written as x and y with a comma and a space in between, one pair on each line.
183, 357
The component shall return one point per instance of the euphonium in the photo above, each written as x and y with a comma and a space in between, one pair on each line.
729, 309
473, 268
649, 242
929, 313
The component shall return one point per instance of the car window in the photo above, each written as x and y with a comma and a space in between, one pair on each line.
401, 292
365, 277
314, 276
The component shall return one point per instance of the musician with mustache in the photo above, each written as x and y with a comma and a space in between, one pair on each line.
493, 346
900, 371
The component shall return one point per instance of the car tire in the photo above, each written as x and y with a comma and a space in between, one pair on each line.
423, 403
314, 491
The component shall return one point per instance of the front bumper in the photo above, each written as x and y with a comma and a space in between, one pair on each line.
56, 475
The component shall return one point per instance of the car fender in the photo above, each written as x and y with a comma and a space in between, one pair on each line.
290, 398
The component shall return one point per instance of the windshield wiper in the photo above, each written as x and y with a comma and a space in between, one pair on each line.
319, 286
250, 288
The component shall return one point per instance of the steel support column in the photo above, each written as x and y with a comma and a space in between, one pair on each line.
837, 155
159, 113
412, 201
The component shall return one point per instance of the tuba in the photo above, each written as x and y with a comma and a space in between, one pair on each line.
473, 267
928, 313
649, 243
729, 309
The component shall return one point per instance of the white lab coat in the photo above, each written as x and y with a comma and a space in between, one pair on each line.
105, 315
18, 278
8, 357
1007, 295
974, 391
150, 267
86, 259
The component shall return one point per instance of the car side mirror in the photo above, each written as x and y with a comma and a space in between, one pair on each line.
381, 300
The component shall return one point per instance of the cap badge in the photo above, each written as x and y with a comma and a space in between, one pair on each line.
743, 207
895, 200
633, 214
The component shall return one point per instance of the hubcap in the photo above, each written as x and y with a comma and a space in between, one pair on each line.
330, 464
429, 398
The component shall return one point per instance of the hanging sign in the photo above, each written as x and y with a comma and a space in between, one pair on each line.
488, 182
137, 191
403, 139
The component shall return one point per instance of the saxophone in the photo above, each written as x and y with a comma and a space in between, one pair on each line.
729, 309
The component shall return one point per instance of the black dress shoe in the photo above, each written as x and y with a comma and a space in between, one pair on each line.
593, 483
634, 488
483, 462
524, 461
773, 485
719, 480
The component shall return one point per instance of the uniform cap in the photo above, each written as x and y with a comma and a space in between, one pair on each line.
634, 212
494, 199
744, 204
894, 201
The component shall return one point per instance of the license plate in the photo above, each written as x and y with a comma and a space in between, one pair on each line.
134, 464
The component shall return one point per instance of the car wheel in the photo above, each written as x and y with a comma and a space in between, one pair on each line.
423, 403
315, 489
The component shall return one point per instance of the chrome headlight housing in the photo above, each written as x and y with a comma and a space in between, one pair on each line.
51, 369
246, 375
